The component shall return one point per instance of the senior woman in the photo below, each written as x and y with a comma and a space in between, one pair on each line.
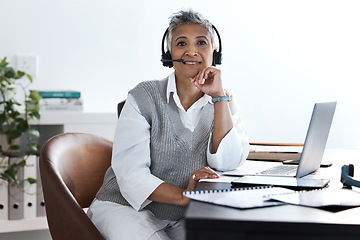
171, 133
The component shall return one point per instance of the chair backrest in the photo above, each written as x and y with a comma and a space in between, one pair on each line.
120, 107
72, 168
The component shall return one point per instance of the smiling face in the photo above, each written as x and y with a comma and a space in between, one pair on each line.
192, 43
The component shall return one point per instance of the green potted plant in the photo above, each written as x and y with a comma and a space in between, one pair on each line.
18, 138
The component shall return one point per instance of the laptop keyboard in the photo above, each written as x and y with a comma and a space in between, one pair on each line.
280, 170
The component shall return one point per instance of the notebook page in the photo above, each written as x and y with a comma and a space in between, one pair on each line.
242, 198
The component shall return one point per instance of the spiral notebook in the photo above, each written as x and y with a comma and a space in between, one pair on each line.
243, 198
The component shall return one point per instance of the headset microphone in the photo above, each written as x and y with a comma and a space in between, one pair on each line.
171, 60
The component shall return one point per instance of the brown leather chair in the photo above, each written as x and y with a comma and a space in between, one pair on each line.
72, 168
120, 107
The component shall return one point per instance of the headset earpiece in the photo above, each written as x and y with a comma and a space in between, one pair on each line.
217, 56
164, 57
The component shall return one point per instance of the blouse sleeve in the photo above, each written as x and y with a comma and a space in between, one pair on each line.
234, 147
131, 156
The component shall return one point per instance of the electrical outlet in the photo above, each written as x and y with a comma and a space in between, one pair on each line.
27, 63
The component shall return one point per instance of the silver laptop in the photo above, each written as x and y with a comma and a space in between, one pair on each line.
313, 150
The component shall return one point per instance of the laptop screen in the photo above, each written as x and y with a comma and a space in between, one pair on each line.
316, 138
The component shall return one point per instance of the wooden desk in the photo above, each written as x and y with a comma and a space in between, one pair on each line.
208, 221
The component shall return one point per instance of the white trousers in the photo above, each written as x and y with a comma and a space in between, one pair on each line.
116, 222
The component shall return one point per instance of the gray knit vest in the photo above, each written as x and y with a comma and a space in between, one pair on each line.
175, 151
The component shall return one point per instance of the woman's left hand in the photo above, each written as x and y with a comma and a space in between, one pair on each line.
202, 173
209, 82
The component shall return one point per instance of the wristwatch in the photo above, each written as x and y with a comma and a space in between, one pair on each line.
218, 99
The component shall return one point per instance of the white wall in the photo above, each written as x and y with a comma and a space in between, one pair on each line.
279, 57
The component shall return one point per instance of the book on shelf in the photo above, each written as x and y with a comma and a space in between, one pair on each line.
60, 94
275, 151
60, 100
61, 104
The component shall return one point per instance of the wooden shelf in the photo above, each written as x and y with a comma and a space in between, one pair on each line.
7, 226
77, 118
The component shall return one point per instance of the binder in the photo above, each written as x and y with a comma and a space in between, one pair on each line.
243, 198
15, 195
30, 189
3, 197
40, 203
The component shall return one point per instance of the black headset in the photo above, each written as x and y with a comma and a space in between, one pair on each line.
347, 173
166, 58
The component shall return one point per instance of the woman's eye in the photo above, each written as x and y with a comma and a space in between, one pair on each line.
202, 42
181, 44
